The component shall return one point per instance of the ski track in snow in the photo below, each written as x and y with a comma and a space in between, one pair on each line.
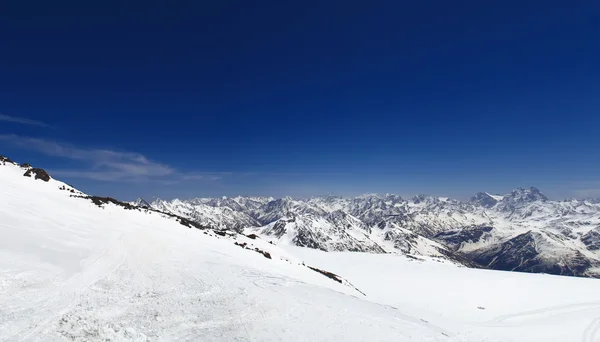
61, 303
540, 313
591, 331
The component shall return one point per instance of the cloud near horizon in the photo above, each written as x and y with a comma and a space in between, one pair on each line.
108, 165
24, 121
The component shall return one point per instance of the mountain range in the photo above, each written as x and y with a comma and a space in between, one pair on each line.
519, 231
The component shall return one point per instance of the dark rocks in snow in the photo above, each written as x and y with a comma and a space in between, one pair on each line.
4, 160
64, 188
188, 223
264, 253
327, 274
222, 232
455, 238
334, 277
100, 201
38, 174
255, 249
592, 239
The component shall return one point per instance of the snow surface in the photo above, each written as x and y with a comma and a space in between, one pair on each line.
72, 271
472, 304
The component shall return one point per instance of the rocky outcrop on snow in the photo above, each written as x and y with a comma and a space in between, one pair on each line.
37, 173
5, 160
30, 171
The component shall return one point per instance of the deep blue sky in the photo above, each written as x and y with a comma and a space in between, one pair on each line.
197, 98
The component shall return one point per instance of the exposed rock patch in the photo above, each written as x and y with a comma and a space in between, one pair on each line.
5, 160
37, 173
255, 249
327, 274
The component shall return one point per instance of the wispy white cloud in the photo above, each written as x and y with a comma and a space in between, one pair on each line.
204, 176
107, 165
23, 121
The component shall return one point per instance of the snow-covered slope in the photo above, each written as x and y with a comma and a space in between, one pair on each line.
473, 304
81, 268
73, 270
487, 230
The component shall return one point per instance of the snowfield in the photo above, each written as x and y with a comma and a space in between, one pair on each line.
71, 270
472, 303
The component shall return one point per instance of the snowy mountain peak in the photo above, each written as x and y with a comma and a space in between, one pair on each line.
422, 198
526, 195
517, 197
520, 197
140, 202
484, 199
